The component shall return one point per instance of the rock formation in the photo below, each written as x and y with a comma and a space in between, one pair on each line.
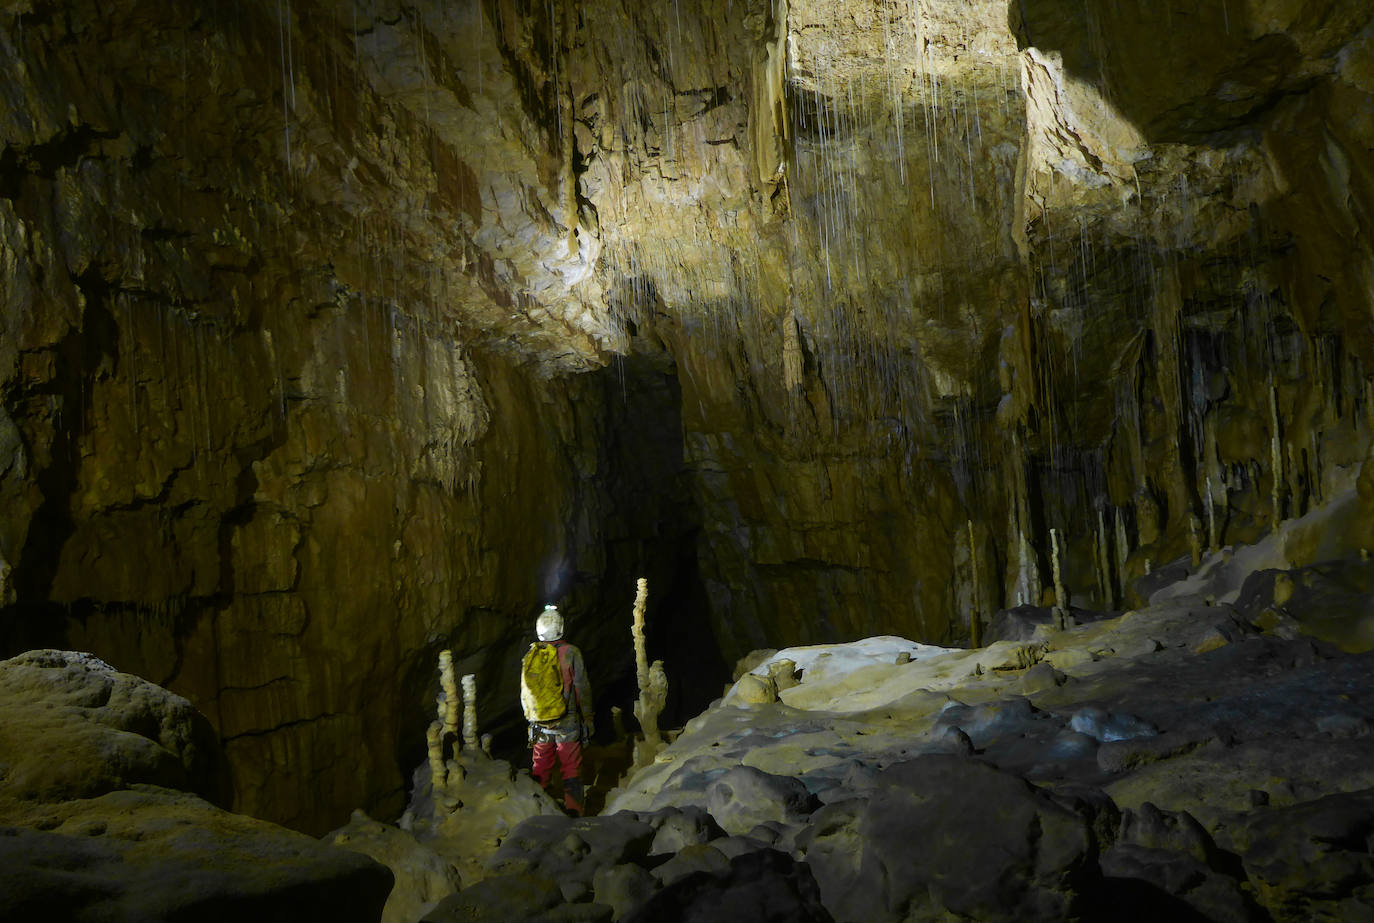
1195, 758
103, 785
334, 334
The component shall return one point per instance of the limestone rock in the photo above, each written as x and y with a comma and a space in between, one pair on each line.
700, 858
949, 834
1040, 677
571, 851
514, 896
749, 661
96, 830
623, 887
153, 854
422, 876
1311, 857
481, 803
765, 885
675, 829
1108, 726
745, 797
72, 727
755, 690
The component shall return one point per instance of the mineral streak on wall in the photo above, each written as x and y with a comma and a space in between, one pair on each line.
326, 326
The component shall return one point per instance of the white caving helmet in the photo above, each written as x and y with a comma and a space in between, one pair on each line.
549, 625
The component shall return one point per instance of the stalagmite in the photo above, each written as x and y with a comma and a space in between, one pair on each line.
975, 628
449, 713
1275, 457
1294, 490
637, 632
1213, 529
1024, 578
438, 773
1315, 464
653, 683
1195, 538
1104, 561
792, 362
471, 739
1061, 595
1123, 551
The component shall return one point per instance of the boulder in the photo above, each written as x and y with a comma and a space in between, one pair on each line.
675, 828
765, 886
745, 797
93, 826
949, 835
155, 854
423, 877
1311, 860
500, 899
623, 887
570, 851
71, 726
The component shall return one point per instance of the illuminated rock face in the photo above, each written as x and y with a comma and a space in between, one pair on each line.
333, 331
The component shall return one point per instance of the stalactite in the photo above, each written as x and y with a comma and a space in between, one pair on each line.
769, 111
569, 140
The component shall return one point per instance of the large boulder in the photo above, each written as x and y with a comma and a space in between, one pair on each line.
944, 834
764, 886
71, 726
154, 854
745, 797
102, 816
423, 876
1311, 860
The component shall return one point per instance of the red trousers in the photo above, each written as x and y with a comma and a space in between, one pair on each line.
569, 755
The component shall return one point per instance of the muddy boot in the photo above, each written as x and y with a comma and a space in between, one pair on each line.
574, 797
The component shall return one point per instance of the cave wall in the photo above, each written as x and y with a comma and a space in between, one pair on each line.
1003, 269
335, 333
250, 450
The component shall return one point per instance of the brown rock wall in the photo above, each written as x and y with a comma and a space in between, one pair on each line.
332, 333
253, 448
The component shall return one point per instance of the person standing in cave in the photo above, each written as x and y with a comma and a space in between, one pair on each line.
558, 707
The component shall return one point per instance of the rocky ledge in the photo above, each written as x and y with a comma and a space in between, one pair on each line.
1206, 756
